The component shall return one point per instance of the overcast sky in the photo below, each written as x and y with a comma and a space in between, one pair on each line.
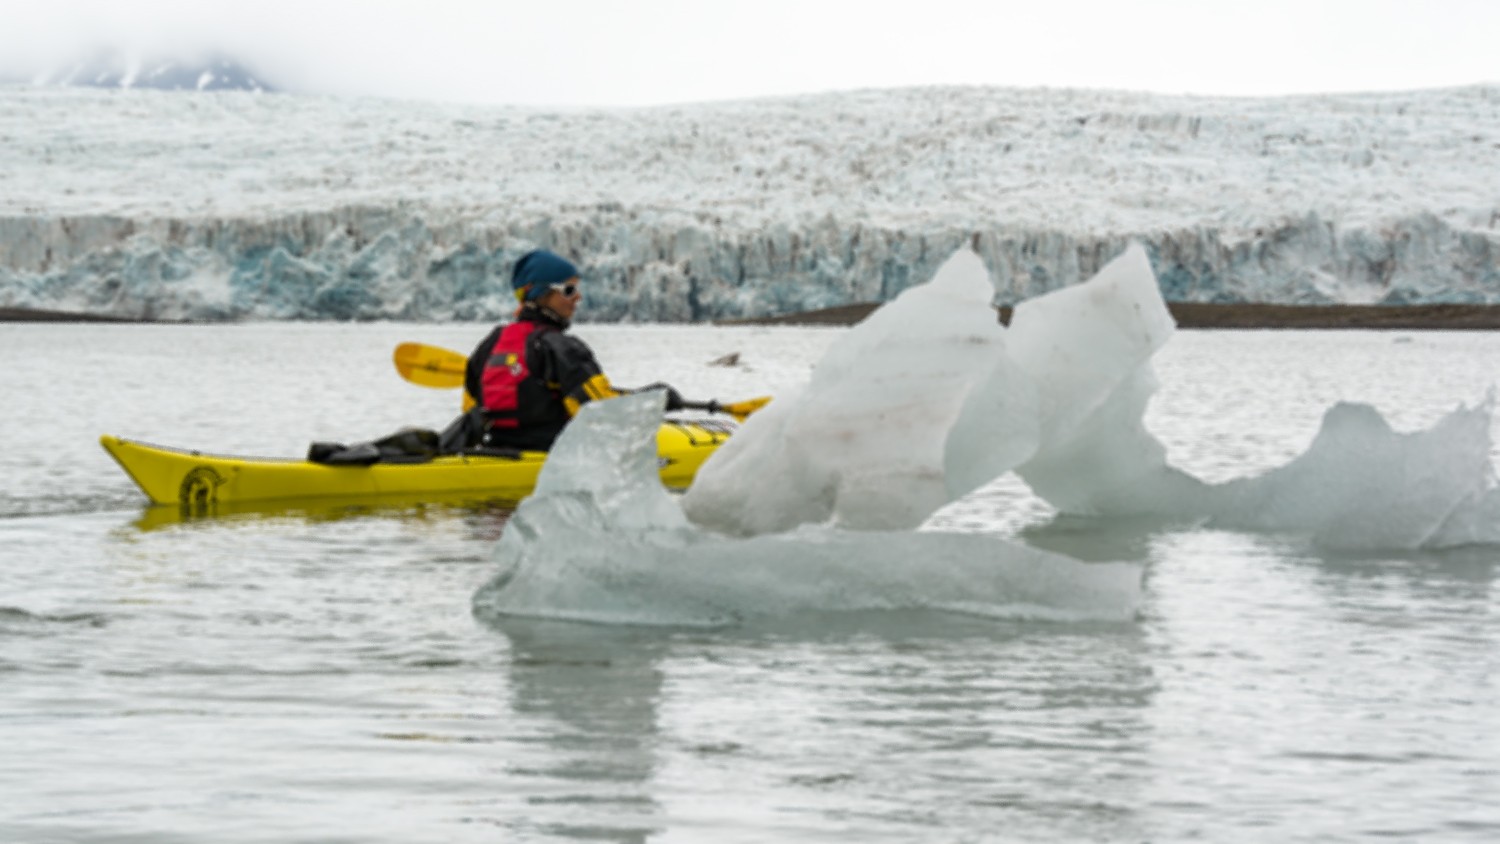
644, 52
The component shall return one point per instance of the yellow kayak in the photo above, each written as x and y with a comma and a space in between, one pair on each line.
204, 484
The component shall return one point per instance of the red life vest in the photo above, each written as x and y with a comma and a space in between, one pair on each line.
504, 373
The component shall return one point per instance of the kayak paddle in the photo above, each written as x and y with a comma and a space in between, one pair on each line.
430, 366
739, 410
434, 366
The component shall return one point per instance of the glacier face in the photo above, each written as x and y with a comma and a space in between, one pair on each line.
232, 205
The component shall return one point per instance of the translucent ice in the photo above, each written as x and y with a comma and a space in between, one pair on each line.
811, 505
1474, 522
612, 547
929, 399
1088, 349
864, 444
1363, 485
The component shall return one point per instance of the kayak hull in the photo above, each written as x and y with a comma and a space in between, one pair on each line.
205, 483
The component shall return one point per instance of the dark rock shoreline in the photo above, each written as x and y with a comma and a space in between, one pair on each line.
1197, 315
34, 315
1187, 314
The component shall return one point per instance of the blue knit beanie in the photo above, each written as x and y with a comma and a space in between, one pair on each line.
537, 271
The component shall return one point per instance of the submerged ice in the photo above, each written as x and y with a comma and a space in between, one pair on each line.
819, 501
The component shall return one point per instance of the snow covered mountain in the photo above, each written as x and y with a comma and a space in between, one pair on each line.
117, 69
228, 205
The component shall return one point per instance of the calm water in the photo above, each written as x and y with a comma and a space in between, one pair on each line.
306, 677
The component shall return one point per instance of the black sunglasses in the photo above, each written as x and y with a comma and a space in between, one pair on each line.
569, 290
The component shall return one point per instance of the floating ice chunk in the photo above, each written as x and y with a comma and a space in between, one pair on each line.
607, 547
566, 560
929, 399
997, 429
1359, 485
1079, 359
1081, 342
863, 445
1474, 522
1110, 465
608, 452
1363, 485
1088, 349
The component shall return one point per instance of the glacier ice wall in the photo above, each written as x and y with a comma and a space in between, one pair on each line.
365, 263
230, 206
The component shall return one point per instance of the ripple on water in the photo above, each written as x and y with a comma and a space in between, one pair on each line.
290, 678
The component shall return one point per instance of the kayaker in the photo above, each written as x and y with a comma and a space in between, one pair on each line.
530, 376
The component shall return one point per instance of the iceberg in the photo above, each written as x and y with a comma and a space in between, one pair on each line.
920, 405
820, 502
1363, 486
613, 547
931, 398
1090, 348
863, 444
1475, 522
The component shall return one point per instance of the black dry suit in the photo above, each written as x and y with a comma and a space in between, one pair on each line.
530, 378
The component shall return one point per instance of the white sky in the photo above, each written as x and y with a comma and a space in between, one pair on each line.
641, 52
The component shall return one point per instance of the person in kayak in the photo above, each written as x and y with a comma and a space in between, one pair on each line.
530, 376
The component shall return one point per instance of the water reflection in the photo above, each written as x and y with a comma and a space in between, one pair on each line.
823, 724
589, 696
1457, 568
1334, 670
1099, 539
487, 515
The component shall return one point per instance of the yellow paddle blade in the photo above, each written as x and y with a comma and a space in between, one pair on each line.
430, 366
741, 409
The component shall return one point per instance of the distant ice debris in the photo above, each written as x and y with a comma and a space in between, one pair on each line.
613, 547
1088, 349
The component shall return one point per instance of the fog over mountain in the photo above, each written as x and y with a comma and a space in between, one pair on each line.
119, 68
228, 205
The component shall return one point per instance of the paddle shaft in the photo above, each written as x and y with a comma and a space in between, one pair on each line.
434, 366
